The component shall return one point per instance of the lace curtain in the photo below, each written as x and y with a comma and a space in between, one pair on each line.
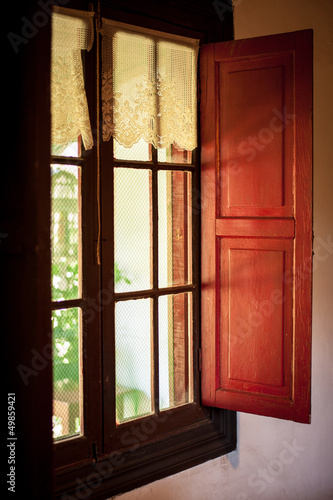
72, 31
149, 86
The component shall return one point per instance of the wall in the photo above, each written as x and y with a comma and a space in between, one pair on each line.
25, 250
275, 459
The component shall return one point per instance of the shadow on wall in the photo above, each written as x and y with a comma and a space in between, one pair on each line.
233, 457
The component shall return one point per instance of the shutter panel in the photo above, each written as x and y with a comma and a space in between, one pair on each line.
256, 180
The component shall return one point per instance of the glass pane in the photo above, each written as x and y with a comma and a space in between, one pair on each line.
174, 154
133, 359
67, 418
132, 228
175, 350
72, 149
141, 151
174, 228
66, 232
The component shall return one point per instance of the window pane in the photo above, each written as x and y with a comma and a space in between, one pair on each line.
72, 149
66, 232
67, 418
141, 151
132, 228
133, 359
174, 154
174, 229
175, 350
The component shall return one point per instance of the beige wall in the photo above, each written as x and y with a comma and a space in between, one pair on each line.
275, 459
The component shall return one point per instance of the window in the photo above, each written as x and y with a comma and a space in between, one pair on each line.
125, 257
127, 291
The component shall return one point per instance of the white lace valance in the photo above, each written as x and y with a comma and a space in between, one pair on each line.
149, 83
72, 31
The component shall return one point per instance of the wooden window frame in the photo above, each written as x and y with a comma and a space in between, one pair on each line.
188, 413
154, 446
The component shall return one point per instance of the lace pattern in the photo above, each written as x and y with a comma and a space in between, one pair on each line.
148, 89
69, 108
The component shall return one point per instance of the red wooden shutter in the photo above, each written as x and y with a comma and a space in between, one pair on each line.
256, 160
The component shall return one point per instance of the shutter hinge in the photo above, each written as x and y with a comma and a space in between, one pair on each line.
199, 359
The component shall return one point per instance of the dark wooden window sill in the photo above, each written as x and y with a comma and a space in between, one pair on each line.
146, 461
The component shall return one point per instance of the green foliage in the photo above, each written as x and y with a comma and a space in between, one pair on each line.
65, 323
65, 276
119, 276
65, 281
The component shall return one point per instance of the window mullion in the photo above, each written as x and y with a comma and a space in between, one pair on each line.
154, 260
154, 225
107, 283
